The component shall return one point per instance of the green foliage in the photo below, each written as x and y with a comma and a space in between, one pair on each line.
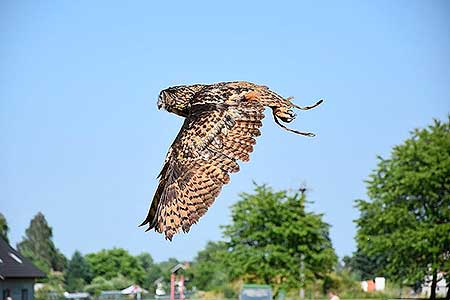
407, 221
229, 292
152, 271
145, 261
272, 235
364, 267
99, 284
165, 267
110, 263
208, 268
54, 285
120, 282
78, 273
4, 229
38, 246
342, 282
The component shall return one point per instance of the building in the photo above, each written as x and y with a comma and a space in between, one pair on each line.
255, 292
441, 286
17, 274
76, 296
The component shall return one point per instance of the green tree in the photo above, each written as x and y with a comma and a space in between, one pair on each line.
273, 240
99, 284
152, 271
362, 266
54, 285
166, 265
110, 263
4, 229
38, 246
208, 269
145, 261
408, 217
78, 273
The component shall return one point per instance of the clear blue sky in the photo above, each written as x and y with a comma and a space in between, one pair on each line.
82, 141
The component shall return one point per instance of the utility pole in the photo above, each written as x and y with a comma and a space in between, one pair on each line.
302, 276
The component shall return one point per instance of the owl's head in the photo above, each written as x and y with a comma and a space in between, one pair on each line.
177, 99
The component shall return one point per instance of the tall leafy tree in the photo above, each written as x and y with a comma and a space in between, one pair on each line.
272, 239
37, 245
208, 269
99, 284
152, 271
166, 265
362, 266
145, 261
54, 285
78, 273
4, 229
408, 217
110, 263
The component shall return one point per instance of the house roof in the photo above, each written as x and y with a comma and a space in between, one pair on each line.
14, 265
76, 295
159, 280
177, 268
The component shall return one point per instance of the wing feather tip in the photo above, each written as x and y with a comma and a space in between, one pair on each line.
146, 221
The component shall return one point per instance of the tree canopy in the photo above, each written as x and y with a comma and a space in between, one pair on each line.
54, 285
78, 273
208, 267
364, 267
110, 263
151, 269
4, 229
99, 284
407, 219
272, 239
38, 246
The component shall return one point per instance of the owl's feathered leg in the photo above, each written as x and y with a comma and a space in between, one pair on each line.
281, 107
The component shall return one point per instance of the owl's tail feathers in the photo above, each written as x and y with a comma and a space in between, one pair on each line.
285, 114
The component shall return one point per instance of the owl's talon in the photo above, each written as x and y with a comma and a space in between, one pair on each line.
286, 115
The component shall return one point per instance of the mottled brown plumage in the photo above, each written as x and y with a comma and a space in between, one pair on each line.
221, 123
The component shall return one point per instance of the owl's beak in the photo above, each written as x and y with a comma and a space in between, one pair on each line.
161, 100
160, 103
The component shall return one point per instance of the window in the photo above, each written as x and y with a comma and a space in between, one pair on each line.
15, 257
24, 294
6, 293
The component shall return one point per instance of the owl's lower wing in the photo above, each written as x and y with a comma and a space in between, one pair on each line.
213, 138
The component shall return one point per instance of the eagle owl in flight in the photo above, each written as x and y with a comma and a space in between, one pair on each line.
220, 126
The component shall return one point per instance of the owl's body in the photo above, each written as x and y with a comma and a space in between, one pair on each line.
221, 123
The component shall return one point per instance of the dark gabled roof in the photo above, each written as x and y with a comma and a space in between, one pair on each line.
177, 268
14, 265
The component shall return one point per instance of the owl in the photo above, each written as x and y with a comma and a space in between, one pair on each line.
221, 122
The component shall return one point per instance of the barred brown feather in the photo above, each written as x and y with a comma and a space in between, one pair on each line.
221, 123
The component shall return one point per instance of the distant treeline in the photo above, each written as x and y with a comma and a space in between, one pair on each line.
402, 234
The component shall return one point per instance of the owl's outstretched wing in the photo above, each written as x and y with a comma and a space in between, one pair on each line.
211, 141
